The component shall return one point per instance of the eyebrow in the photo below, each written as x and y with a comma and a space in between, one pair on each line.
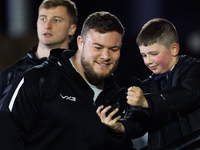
53, 16
103, 46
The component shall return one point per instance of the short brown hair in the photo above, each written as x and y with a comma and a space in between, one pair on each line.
159, 31
71, 7
102, 22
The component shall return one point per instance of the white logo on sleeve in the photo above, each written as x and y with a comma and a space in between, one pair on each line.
68, 98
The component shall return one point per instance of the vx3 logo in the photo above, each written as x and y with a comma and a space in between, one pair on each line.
68, 98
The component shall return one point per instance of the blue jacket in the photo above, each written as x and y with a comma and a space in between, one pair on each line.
174, 101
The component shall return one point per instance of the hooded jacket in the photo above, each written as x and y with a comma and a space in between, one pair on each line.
11, 73
64, 118
174, 106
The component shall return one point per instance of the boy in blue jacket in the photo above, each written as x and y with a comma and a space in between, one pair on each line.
166, 105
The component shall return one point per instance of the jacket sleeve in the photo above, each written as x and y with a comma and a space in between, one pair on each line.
19, 112
185, 96
7, 75
136, 125
4, 78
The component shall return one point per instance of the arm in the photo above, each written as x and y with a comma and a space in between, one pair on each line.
5, 74
182, 97
19, 112
185, 96
9, 75
132, 126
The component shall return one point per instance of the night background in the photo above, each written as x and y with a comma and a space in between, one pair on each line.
18, 28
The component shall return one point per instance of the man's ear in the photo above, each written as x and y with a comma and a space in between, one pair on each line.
175, 49
72, 29
80, 42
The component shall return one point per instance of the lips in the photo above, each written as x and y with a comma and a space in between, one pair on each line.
47, 34
103, 64
152, 67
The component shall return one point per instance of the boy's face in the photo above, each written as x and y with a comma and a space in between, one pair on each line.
158, 59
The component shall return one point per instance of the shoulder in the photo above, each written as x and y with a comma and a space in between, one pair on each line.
7, 72
32, 75
47, 72
187, 63
15, 65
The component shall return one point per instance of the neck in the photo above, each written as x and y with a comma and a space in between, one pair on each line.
98, 83
44, 50
175, 62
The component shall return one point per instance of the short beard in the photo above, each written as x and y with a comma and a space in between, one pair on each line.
91, 74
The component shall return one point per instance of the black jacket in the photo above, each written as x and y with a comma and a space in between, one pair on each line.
11, 73
64, 118
174, 102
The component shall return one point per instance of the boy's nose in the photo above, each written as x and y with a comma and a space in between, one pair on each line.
148, 60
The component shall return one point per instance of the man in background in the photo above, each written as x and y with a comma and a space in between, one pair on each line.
56, 26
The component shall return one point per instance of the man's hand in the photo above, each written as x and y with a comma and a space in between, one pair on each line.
136, 98
107, 120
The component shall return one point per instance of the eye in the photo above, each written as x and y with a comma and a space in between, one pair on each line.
114, 49
143, 55
154, 54
97, 47
57, 20
43, 19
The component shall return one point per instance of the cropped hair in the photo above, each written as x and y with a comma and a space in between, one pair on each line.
159, 31
71, 7
102, 22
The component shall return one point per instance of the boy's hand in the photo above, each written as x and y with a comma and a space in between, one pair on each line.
136, 98
107, 120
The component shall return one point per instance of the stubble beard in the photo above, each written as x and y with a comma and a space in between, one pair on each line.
90, 72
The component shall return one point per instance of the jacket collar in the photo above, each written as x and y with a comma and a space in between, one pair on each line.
31, 56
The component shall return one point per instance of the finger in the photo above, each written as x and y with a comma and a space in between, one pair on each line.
129, 88
131, 102
113, 113
132, 90
130, 93
116, 118
104, 111
112, 122
98, 111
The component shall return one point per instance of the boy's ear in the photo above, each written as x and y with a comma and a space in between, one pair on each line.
175, 49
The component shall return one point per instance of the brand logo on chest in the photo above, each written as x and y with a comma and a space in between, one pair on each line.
70, 98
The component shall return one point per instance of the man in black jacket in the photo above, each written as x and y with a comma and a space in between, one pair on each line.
53, 105
167, 104
56, 26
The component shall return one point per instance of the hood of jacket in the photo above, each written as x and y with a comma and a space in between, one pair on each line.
31, 57
60, 58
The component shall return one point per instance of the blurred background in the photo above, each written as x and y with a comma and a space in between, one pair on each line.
18, 29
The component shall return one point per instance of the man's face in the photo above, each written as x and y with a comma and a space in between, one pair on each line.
100, 53
54, 27
157, 58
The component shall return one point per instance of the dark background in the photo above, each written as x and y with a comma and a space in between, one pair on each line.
132, 13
